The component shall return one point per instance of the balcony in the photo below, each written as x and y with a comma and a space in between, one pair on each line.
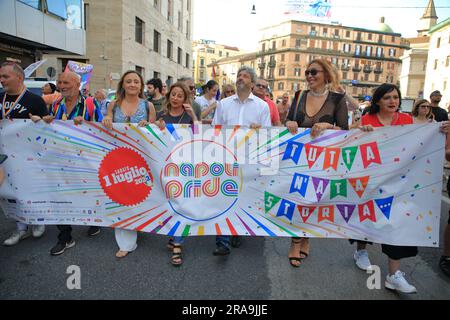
262, 65
356, 69
378, 70
367, 69
345, 67
272, 64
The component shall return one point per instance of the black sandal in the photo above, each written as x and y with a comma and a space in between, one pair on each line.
298, 259
177, 259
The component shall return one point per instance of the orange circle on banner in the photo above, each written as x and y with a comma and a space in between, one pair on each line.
125, 177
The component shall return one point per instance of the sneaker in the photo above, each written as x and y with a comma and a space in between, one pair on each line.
16, 237
362, 260
38, 231
444, 264
399, 283
93, 231
61, 247
236, 241
221, 251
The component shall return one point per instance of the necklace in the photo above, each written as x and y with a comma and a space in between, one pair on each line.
11, 107
315, 94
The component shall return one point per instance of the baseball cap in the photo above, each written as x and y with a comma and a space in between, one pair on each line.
436, 93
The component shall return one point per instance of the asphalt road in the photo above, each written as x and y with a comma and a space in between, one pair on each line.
258, 270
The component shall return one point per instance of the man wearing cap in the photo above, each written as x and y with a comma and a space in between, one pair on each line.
439, 113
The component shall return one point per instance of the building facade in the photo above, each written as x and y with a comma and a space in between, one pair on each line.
365, 58
32, 30
152, 37
438, 65
206, 53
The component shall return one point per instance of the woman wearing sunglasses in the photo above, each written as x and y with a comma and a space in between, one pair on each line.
320, 109
421, 111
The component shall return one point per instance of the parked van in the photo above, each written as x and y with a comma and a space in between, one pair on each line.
34, 85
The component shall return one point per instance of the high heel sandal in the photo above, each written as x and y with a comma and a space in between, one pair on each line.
304, 248
297, 259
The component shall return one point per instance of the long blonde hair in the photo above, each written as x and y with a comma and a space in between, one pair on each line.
330, 72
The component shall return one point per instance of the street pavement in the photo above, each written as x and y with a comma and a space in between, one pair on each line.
258, 270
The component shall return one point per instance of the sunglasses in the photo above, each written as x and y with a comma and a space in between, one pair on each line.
424, 106
313, 72
229, 91
261, 86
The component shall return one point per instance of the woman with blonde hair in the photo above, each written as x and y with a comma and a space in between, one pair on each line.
421, 111
318, 108
130, 106
227, 91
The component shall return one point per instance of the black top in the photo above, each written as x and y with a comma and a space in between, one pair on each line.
439, 114
184, 118
334, 111
29, 103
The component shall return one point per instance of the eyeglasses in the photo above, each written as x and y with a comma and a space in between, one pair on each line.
261, 86
313, 72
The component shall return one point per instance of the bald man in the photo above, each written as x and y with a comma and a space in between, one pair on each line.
72, 106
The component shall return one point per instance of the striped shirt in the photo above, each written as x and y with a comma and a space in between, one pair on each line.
59, 110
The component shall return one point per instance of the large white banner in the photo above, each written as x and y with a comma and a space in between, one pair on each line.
383, 186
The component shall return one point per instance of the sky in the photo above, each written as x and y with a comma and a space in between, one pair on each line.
229, 22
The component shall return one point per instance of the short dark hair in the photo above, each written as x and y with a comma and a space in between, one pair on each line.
52, 87
155, 82
379, 93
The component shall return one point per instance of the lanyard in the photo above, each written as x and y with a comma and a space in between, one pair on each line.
11, 107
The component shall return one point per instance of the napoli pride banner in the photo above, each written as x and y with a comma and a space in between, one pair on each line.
383, 186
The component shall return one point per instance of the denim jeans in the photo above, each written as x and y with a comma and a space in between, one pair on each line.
223, 241
178, 240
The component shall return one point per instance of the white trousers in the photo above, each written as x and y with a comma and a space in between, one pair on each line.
126, 239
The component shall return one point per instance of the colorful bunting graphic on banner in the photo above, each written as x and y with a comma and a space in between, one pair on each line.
320, 185
299, 184
326, 213
305, 212
270, 201
286, 209
312, 154
331, 158
385, 206
349, 155
370, 154
359, 184
346, 210
367, 211
293, 151
338, 188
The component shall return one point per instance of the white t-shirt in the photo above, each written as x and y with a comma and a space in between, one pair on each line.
205, 103
232, 112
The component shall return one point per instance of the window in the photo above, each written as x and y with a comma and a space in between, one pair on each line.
393, 39
297, 72
263, 48
141, 71
358, 36
211, 51
435, 64
358, 50
347, 47
283, 43
368, 51
156, 41
325, 31
220, 53
379, 52
187, 60
180, 21
157, 5
344, 75
156, 75
297, 43
392, 52
366, 77
170, 11
58, 8
188, 30
189, 5
438, 44
280, 86
202, 62
281, 72
355, 75
139, 31
334, 61
447, 62
445, 85
324, 44
274, 45
169, 81
297, 57
180, 56
369, 36
347, 34
336, 32
169, 49
380, 38
282, 58
377, 77
32, 3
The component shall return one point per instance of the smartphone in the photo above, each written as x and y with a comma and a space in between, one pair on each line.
3, 157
